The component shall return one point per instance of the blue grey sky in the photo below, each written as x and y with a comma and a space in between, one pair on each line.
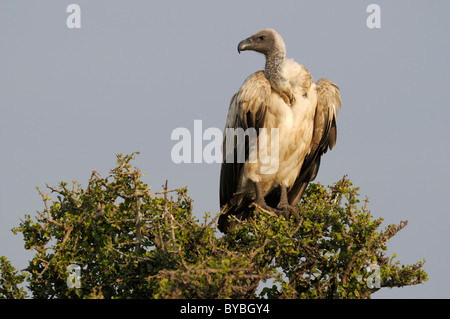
70, 99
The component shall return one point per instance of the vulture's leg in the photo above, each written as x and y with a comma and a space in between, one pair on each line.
284, 205
260, 198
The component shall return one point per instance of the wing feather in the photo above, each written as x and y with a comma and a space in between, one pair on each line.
247, 109
324, 136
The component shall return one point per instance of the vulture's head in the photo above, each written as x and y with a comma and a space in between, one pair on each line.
265, 41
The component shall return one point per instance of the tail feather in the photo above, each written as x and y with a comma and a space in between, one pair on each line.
225, 223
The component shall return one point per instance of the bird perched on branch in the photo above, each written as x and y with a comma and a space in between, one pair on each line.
282, 112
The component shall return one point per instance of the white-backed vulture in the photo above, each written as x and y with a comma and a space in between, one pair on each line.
282, 96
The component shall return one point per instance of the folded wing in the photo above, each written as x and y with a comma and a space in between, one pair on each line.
247, 109
324, 136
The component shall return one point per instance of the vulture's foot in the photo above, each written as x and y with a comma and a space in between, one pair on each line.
260, 202
286, 210
266, 207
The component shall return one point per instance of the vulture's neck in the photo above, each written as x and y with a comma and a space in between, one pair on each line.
272, 69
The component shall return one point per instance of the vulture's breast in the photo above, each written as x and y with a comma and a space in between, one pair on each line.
295, 124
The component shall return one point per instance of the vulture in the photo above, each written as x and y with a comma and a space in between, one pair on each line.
284, 97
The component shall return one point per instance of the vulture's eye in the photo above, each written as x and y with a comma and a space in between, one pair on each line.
262, 37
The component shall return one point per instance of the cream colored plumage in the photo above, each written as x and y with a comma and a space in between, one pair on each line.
282, 97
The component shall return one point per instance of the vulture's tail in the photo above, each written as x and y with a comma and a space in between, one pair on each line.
232, 215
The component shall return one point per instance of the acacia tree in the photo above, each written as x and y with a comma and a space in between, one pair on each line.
115, 239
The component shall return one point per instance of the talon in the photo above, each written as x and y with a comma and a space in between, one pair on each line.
267, 208
286, 210
284, 206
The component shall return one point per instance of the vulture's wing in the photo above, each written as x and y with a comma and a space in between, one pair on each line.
324, 136
247, 109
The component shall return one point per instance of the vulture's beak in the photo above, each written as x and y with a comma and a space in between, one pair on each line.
244, 44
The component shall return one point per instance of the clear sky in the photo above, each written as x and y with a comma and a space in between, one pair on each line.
70, 99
